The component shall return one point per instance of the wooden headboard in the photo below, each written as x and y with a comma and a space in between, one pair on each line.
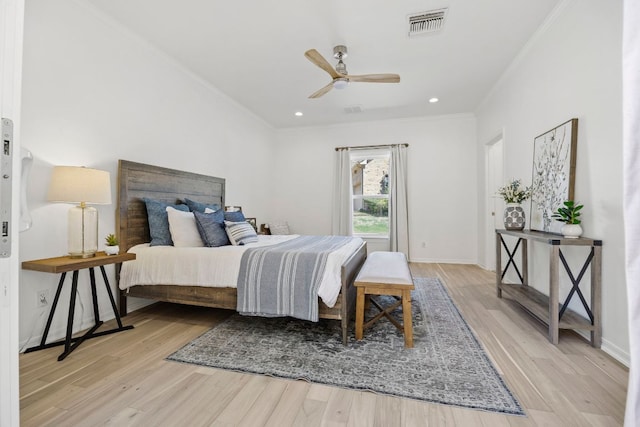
137, 180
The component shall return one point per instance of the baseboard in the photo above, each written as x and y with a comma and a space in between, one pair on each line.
60, 331
616, 352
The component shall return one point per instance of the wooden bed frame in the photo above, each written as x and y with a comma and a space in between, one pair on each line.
137, 180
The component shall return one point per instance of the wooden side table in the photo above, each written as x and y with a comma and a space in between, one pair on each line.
63, 265
547, 307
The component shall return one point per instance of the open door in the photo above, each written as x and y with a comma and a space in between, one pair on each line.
11, 25
494, 205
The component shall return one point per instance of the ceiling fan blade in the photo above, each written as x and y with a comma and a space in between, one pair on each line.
375, 78
319, 93
315, 57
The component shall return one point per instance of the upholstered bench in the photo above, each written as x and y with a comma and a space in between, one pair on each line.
385, 273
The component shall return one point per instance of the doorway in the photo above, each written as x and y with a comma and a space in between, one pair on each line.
12, 14
494, 177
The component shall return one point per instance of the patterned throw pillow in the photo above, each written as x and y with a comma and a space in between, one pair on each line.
159, 222
240, 233
279, 228
211, 228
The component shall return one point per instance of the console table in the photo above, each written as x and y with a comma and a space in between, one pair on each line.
63, 265
548, 308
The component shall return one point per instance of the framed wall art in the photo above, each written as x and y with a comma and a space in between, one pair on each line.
553, 180
252, 221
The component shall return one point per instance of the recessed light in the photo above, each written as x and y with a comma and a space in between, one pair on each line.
299, 114
433, 100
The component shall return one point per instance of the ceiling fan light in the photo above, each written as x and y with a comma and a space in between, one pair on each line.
340, 83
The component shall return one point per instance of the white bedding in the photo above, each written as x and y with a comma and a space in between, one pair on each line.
217, 267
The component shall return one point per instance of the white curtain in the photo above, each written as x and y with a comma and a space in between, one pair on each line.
341, 220
631, 176
398, 212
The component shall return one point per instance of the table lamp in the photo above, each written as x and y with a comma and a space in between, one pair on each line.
73, 184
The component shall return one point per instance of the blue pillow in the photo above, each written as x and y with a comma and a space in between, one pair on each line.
211, 228
241, 233
237, 216
159, 222
200, 207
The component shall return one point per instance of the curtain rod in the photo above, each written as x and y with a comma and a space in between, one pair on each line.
364, 147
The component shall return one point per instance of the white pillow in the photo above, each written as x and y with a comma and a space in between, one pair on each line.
183, 228
279, 228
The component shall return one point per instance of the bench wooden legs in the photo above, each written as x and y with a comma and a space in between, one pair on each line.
359, 313
406, 319
405, 295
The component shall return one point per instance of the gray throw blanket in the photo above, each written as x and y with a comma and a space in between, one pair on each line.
283, 279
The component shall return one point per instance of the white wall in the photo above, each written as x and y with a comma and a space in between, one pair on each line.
441, 185
572, 68
93, 94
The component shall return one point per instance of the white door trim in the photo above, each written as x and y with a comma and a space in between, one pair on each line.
11, 41
491, 213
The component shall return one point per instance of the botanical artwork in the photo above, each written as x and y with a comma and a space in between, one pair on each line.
554, 162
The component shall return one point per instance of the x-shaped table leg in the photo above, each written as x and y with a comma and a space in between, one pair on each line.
511, 261
575, 283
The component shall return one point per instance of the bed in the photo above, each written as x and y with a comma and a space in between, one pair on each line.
137, 180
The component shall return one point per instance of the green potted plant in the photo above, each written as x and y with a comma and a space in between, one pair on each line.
514, 193
570, 215
112, 245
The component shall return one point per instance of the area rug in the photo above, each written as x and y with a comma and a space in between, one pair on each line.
447, 364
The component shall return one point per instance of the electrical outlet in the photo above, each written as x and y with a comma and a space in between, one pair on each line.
43, 298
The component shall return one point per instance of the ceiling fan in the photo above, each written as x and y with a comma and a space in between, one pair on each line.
339, 75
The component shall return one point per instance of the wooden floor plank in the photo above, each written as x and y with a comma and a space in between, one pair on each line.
123, 379
338, 407
363, 407
262, 408
285, 412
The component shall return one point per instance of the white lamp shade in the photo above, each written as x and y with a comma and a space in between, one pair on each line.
73, 184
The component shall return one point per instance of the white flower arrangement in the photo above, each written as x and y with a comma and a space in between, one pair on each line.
512, 193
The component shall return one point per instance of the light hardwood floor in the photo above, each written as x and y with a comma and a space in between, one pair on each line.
123, 379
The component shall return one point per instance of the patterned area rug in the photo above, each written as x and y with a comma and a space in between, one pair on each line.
447, 364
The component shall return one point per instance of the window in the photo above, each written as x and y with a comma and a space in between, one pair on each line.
370, 193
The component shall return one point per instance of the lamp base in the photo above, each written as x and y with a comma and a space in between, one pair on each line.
86, 255
83, 231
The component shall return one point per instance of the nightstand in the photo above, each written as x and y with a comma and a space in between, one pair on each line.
64, 265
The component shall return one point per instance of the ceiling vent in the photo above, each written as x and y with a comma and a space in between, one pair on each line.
354, 109
426, 22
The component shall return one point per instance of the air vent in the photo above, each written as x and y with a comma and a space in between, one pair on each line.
426, 22
353, 109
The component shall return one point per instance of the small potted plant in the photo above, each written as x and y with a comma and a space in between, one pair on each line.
514, 194
570, 215
112, 245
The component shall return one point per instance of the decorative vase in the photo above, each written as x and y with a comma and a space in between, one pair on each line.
514, 218
112, 250
571, 231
